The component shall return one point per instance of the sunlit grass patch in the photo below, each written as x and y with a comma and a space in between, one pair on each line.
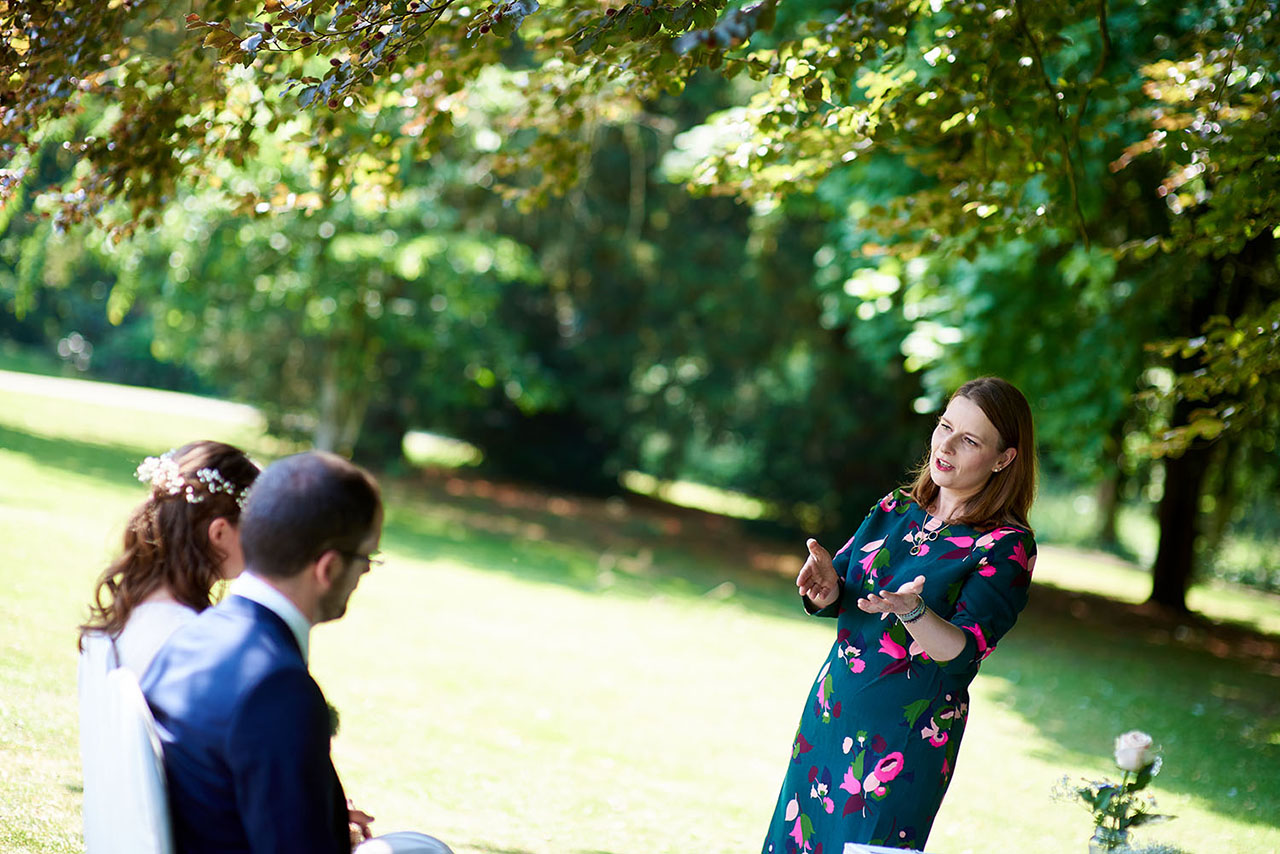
532, 672
431, 450
683, 493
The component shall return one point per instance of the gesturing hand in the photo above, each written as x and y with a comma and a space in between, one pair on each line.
817, 579
888, 602
358, 822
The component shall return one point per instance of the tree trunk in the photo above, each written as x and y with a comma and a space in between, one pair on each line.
1108, 498
325, 435
1178, 516
1239, 281
1111, 488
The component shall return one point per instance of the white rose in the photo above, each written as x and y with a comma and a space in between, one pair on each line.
1133, 751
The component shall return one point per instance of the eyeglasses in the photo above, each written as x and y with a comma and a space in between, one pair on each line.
373, 559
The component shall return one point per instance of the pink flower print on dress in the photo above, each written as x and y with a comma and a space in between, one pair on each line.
820, 789
991, 537
870, 550
985, 569
846, 545
962, 542
823, 695
888, 503
886, 769
852, 656
892, 648
983, 649
937, 737
890, 767
851, 784
800, 832
1020, 555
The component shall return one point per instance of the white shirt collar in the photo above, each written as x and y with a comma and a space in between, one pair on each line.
253, 587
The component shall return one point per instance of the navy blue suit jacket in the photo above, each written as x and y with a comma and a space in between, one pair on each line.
246, 738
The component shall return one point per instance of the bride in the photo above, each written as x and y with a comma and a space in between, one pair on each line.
179, 542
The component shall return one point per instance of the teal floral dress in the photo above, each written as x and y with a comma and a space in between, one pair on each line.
876, 746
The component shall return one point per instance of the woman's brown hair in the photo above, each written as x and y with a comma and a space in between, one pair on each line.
166, 541
1007, 496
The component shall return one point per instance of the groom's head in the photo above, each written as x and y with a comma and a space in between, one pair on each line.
311, 522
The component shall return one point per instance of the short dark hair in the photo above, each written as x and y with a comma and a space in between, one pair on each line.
301, 507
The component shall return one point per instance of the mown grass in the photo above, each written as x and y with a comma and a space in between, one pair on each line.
536, 673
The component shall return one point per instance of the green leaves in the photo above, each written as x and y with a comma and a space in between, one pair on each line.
732, 30
1237, 376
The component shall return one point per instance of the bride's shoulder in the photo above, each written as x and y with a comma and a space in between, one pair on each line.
149, 626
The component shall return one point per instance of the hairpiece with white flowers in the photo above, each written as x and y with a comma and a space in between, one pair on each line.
165, 475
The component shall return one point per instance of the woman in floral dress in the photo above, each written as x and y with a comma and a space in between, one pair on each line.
933, 578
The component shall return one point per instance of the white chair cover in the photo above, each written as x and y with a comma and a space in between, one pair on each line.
130, 813
403, 842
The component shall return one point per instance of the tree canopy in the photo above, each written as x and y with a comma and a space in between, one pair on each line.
1084, 196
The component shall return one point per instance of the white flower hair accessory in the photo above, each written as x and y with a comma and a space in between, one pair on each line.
164, 474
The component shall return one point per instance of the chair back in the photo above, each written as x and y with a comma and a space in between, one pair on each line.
137, 805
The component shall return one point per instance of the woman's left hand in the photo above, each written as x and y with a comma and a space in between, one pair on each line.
888, 602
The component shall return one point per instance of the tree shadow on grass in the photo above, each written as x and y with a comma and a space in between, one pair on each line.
114, 463
628, 555
1082, 669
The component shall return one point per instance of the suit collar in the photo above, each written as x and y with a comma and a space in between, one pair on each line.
255, 589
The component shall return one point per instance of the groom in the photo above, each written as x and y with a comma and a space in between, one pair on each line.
244, 727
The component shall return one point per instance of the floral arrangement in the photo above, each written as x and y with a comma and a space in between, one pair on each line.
1117, 807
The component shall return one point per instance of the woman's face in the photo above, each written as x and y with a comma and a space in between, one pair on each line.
966, 448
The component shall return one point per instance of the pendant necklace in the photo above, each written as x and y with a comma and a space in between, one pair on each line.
924, 535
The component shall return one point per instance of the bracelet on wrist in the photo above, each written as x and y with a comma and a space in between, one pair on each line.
914, 614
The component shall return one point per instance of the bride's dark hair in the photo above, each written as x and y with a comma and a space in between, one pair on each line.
166, 541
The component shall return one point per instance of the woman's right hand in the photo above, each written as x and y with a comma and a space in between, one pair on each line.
817, 580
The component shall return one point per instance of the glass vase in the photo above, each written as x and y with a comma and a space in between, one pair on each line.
1108, 840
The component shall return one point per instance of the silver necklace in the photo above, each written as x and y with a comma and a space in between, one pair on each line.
924, 535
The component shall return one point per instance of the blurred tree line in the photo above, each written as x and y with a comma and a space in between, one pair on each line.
486, 234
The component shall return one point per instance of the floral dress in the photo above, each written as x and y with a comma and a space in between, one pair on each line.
877, 742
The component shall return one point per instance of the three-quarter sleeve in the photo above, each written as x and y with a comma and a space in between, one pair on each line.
992, 597
841, 561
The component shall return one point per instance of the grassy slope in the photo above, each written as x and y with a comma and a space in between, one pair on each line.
531, 673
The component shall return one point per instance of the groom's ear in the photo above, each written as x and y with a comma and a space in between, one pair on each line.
328, 568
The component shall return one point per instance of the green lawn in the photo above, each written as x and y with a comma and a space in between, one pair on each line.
538, 674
